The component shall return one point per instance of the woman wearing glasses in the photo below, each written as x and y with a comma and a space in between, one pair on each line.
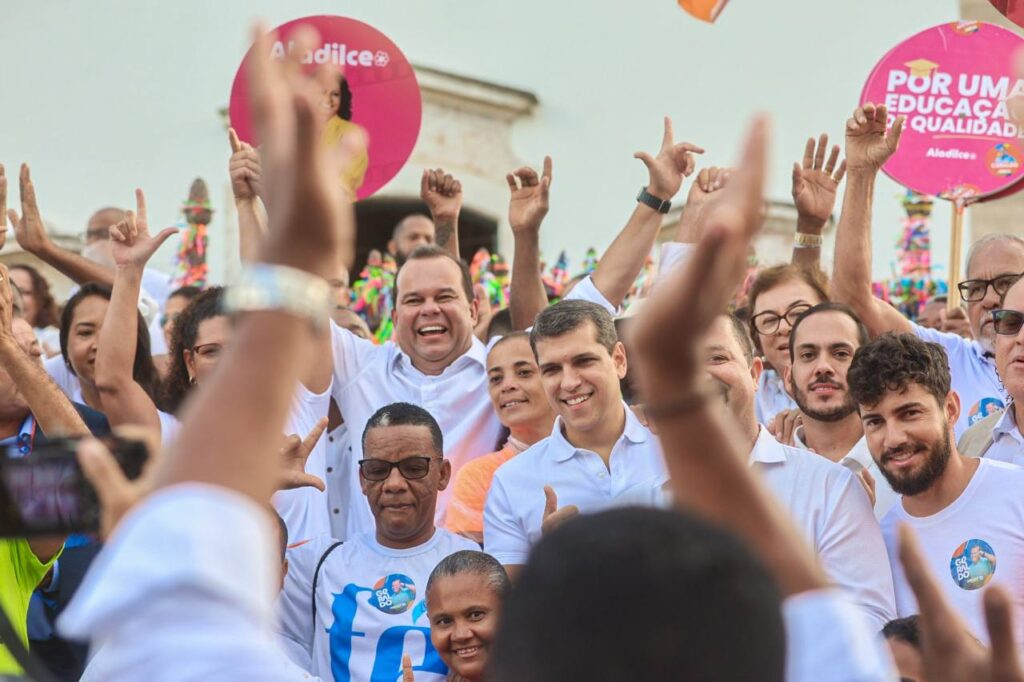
778, 296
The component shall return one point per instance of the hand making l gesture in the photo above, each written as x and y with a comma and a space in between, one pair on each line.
673, 163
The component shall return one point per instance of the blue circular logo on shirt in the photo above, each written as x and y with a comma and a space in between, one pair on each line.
984, 408
973, 564
393, 594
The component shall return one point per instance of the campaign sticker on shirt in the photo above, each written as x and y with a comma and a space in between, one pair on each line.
973, 564
393, 594
985, 407
378, 97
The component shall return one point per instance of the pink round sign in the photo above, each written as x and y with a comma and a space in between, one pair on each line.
952, 83
378, 94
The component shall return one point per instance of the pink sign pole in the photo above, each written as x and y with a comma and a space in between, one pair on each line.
952, 83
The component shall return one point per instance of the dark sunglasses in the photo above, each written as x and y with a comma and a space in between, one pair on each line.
973, 290
411, 468
768, 322
1007, 322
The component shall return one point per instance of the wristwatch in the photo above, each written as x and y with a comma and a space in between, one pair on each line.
277, 287
648, 199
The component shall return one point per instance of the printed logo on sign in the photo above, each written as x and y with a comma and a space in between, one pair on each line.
393, 594
966, 28
1003, 159
334, 53
984, 408
973, 564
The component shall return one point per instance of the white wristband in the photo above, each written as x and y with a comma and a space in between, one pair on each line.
277, 287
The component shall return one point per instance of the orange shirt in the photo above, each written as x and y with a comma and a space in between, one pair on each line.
465, 513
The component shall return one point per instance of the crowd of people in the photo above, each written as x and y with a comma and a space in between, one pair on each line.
812, 487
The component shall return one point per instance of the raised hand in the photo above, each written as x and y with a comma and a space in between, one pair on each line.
3, 206
702, 192
310, 215
529, 201
244, 169
294, 455
950, 653
407, 675
868, 145
131, 245
816, 180
442, 194
28, 229
682, 308
553, 515
673, 163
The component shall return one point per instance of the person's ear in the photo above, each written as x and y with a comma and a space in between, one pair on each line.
619, 360
446, 475
952, 407
756, 367
190, 364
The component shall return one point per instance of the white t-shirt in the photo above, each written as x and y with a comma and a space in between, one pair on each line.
771, 397
370, 608
973, 376
367, 377
976, 541
340, 471
304, 510
1007, 441
514, 509
184, 590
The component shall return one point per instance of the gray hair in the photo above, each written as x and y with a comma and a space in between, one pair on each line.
988, 240
567, 316
474, 563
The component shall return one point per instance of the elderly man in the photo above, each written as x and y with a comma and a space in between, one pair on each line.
351, 610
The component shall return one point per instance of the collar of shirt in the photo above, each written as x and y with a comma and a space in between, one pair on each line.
477, 354
858, 458
23, 441
563, 450
1006, 426
984, 356
767, 450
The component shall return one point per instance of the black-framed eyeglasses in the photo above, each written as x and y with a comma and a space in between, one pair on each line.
1007, 322
973, 290
768, 322
411, 468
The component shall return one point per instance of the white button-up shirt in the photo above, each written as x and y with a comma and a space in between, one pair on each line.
1007, 441
515, 505
367, 377
834, 513
859, 459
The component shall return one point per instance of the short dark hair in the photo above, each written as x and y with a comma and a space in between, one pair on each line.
406, 414
476, 563
427, 251
739, 330
904, 630
143, 370
892, 362
627, 384
500, 324
719, 615
863, 336
568, 316
187, 292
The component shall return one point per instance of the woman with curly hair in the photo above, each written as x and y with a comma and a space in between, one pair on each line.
41, 309
200, 334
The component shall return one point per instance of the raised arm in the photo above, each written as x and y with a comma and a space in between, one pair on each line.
814, 193
244, 170
31, 235
231, 429
442, 193
868, 147
52, 410
709, 471
621, 263
527, 206
124, 400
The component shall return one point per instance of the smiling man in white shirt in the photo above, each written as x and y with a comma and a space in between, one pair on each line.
597, 450
822, 344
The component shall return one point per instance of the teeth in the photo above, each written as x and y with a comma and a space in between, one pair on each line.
467, 652
577, 400
513, 403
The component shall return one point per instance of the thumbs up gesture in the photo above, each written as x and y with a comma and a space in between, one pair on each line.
553, 516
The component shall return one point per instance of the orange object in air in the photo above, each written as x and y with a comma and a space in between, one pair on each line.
705, 10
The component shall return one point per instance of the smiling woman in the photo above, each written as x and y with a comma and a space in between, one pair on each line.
464, 595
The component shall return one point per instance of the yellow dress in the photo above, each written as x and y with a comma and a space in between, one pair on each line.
337, 128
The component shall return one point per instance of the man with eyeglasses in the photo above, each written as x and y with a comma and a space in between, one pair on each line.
993, 264
351, 610
998, 435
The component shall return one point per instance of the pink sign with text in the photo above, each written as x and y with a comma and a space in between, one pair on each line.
380, 95
952, 83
